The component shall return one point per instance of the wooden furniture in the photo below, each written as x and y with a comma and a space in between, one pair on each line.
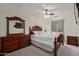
72, 40
0, 44
34, 28
57, 41
14, 42
15, 18
9, 44
24, 41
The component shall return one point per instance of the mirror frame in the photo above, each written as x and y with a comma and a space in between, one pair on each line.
13, 19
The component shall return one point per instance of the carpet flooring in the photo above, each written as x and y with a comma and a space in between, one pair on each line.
66, 50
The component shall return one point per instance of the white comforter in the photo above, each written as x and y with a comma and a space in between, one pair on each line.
44, 41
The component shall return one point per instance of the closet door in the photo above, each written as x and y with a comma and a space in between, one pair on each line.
57, 26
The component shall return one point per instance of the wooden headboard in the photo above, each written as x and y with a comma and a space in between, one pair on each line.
35, 28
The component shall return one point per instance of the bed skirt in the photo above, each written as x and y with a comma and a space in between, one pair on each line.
42, 46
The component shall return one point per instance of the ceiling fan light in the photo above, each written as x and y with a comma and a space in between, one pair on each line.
48, 12
44, 12
46, 16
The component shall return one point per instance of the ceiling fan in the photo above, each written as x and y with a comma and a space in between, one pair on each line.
47, 12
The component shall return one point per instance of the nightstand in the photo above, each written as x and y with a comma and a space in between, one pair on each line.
72, 40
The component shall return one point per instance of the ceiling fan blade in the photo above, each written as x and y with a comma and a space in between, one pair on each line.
51, 14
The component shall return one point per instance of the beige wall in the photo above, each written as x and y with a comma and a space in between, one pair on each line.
70, 27
5, 11
44, 23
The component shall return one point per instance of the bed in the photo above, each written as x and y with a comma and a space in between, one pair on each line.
49, 41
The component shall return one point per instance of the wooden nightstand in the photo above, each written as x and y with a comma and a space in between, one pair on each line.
72, 40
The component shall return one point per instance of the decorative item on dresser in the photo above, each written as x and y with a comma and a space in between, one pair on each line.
14, 41
72, 40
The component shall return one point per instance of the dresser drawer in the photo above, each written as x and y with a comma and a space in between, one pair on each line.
8, 48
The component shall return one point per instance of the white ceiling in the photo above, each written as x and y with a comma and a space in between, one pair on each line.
36, 9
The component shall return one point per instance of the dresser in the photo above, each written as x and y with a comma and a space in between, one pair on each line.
24, 41
0, 45
72, 40
14, 42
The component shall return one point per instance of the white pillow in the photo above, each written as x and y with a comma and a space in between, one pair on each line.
48, 32
36, 32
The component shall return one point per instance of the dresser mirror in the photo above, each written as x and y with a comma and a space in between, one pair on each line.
15, 25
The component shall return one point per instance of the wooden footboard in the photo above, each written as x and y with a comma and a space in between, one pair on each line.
57, 43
